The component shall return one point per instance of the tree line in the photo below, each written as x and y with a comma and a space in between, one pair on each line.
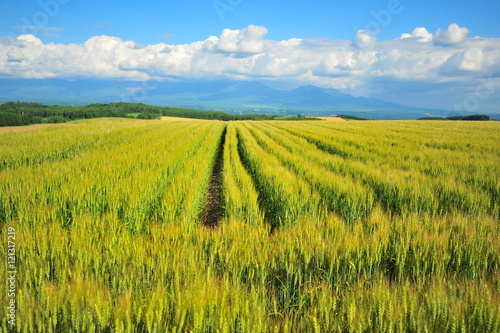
23, 113
473, 117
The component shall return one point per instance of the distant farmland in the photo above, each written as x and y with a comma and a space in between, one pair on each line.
126, 225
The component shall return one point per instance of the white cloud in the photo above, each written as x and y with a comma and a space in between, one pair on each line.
454, 35
30, 39
248, 40
472, 59
467, 60
419, 34
365, 39
246, 54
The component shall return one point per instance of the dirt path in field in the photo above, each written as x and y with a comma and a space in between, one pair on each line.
177, 118
214, 210
331, 118
26, 128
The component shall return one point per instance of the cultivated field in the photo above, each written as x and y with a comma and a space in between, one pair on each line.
331, 118
207, 226
7, 129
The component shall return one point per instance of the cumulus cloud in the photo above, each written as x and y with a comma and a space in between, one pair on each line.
248, 40
246, 54
30, 39
472, 59
468, 60
365, 39
419, 34
454, 35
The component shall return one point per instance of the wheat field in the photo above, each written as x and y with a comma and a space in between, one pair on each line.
377, 226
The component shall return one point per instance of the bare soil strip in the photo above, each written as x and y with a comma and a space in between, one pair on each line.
177, 119
26, 128
331, 118
214, 209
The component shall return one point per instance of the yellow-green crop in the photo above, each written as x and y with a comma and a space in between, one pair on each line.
327, 227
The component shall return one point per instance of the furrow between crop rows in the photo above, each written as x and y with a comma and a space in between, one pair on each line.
214, 209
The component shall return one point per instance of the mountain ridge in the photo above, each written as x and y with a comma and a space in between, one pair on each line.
237, 97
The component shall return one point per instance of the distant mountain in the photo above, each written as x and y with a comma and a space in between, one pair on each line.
232, 97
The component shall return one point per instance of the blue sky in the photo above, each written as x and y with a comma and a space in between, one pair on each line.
434, 54
148, 22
